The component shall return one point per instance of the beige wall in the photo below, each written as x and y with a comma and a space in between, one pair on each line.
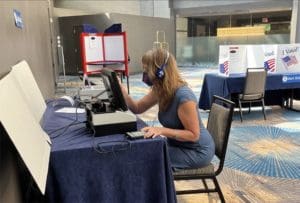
141, 33
31, 43
103, 6
156, 8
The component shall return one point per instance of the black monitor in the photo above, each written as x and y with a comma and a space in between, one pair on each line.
113, 89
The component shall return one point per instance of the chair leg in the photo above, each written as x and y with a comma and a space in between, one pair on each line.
263, 108
249, 107
205, 184
219, 190
241, 114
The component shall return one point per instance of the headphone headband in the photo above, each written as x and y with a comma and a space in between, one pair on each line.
160, 70
167, 58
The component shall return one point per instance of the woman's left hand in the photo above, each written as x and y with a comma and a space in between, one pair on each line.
152, 132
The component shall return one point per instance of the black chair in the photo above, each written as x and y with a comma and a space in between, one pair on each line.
219, 124
254, 89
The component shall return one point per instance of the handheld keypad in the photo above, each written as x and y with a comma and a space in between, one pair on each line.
135, 134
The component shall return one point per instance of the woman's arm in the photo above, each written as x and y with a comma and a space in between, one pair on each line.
139, 106
188, 115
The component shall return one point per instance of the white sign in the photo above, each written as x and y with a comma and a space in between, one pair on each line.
288, 59
270, 55
237, 59
232, 59
224, 60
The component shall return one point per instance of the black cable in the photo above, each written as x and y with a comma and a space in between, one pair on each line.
74, 136
99, 94
50, 101
69, 125
65, 128
99, 149
124, 145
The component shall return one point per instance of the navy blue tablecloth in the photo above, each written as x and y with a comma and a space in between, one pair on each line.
84, 168
214, 84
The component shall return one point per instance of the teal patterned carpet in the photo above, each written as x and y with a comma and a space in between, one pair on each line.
257, 148
265, 150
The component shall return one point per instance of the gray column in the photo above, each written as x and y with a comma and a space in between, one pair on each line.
295, 23
147, 8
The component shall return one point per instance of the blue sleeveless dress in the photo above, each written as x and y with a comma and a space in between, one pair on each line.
186, 154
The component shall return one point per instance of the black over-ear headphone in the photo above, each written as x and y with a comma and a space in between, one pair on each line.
160, 70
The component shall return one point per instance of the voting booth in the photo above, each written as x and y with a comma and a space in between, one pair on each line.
276, 58
101, 50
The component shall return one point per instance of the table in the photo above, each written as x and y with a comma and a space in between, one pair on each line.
276, 90
116, 170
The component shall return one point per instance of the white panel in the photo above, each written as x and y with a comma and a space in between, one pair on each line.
255, 56
288, 58
237, 59
24, 130
223, 60
114, 48
28, 86
93, 48
92, 68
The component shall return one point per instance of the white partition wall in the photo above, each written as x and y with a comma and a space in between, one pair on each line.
276, 58
24, 130
255, 56
29, 88
232, 59
224, 60
93, 47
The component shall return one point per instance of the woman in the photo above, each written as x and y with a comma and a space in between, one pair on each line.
178, 112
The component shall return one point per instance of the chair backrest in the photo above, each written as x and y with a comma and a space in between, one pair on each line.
255, 83
219, 124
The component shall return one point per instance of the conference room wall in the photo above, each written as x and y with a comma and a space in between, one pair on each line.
32, 43
141, 33
71, 42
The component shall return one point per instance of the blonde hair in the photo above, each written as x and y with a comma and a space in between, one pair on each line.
165, 87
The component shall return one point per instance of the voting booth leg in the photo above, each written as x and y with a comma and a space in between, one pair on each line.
290, 101
263, 108
241, 114
128, 84
249, 110
123, 75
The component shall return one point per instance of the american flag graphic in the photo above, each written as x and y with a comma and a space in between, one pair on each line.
289, 60
224, 67
270, 65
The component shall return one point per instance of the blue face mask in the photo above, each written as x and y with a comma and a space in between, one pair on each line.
146, 79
